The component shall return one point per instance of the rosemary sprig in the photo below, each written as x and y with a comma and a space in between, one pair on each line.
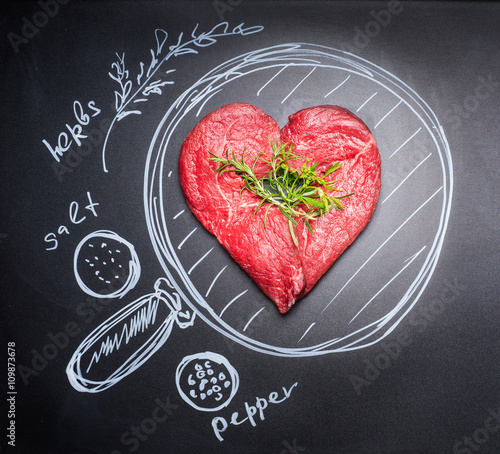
298, 194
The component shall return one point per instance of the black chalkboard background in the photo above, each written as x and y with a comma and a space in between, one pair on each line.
431, 385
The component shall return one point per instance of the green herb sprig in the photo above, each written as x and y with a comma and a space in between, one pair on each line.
298, 194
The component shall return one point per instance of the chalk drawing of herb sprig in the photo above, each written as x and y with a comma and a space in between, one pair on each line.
149, 81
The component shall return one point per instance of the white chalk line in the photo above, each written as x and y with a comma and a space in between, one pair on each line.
306, 331
186, 238
405, 142
206, 100
366, 102
388, 113
380, 247
178, 214
407, 176
199, 261
253, 318
299, 84
338, 86
271, 79
409, 260
214, 280
232, 301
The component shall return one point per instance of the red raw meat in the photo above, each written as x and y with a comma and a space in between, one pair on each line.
324, 134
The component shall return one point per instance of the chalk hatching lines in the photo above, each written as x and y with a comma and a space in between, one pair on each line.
200, 260
271, 79
388, 113
407, 176
338, 86
253, 317
232, 301
366, 102
213, 282
409, 260
138, 323
381, 246
405, 142
298, 85
178, 214
186, 238
306, 331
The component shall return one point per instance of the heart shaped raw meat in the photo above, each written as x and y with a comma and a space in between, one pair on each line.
324, 134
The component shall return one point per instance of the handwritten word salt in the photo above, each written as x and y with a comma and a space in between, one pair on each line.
75, 218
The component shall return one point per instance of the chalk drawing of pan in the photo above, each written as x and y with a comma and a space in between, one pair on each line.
367, 292
380, 278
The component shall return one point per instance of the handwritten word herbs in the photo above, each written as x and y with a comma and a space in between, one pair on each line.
132, 91
75, 130
75, 217
252, 413
76, 154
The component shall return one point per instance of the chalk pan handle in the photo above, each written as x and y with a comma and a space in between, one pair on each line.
121, 332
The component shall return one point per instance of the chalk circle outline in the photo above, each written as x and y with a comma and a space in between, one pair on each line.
195, 98
202, 357
134, 267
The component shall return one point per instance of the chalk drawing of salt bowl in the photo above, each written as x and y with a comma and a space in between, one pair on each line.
381, 276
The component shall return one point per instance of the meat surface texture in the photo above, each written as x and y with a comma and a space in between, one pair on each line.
324, 134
